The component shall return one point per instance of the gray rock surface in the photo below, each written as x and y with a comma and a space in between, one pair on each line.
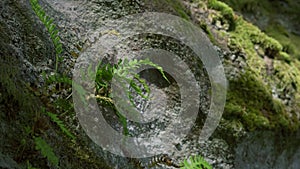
7, 163
264, 150
26, 50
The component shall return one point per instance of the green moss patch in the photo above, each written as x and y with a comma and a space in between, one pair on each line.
274, 10
225, 10
206, 30
176, 7
290, 42
250, 101
247, 35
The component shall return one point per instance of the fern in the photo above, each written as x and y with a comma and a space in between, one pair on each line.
104, 75
52, 30
46, 150
57, 79
60, 124
124, 72
29, 166
196, 162
126, 68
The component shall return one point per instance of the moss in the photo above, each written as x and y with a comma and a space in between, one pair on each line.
251, 101
205, 28
256, 108
287, 76
297, 102
246, 98
278, 106
245, 5
255, 121
273, 28
226, 12
247, 35
252, 88
240, 38
290, 42
179, 8
271, 46
283, 122
285, 57
233, 110
234, 125
249, 97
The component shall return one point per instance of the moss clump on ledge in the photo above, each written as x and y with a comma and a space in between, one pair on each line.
267, 15
268, 68
177, 5
225, 10
174, 6
250, 100
206, 30
247, 35
284, 57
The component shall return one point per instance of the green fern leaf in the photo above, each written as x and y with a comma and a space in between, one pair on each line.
54, 34
196, 162
59, 49
46, 150
29, 166
124, 72
60, 124
48, 22
52, 28
45, 18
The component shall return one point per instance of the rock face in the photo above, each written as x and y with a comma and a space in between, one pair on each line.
265, 150
7, 162
26, 51
23, 39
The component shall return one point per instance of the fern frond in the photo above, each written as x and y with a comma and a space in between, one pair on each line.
29, 166
52, 30
137, 88
196, 162
60, 124
124, 72
159, 68
46, 150
59, 79
126, 68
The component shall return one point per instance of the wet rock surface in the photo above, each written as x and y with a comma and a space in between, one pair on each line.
7, 162
268, 150
25, 39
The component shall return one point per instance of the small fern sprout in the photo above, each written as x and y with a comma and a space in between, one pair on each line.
195, 162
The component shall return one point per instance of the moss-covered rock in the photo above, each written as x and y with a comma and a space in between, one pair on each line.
226, 12
247, 35
256, 100
251, 101
279, 19
251, 95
